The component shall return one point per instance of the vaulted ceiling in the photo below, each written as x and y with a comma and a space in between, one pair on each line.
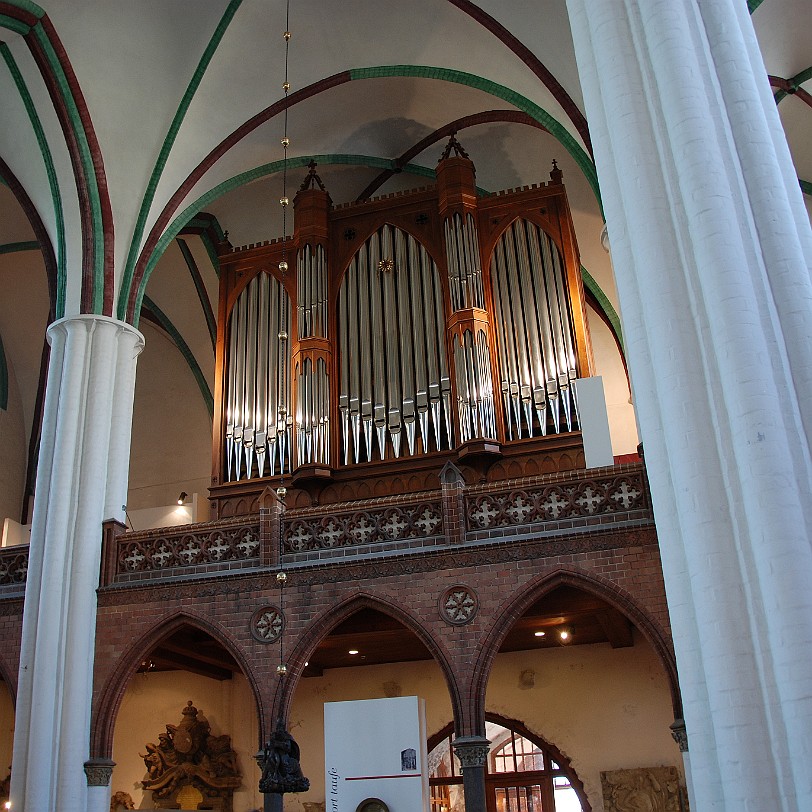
167, 119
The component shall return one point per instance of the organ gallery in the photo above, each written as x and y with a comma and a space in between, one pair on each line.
433, 325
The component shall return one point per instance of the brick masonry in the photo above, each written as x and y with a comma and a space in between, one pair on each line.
505, 568
620, 565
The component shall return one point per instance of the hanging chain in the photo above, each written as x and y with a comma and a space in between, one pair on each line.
282, 427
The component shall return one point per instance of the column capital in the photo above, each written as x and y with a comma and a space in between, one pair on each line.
99, 771
91, 321
472, 751
679, 734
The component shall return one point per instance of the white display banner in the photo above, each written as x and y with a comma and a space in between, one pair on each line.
376, 749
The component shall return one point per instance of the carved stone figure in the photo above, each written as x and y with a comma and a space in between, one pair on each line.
188, 755
281, 771
651, 789
121, 800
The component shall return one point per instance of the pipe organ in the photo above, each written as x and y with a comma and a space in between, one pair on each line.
424, 326
534, 333
257, 395
312, 415
395, 388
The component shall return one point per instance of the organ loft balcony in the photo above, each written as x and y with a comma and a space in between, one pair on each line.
399, 376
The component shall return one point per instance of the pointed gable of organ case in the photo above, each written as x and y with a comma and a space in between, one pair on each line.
434, 325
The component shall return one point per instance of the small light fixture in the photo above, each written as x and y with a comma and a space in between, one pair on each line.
182, 498
353, 651
565, 635
540, 634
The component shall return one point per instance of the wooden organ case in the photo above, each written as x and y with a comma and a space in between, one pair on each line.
410, 330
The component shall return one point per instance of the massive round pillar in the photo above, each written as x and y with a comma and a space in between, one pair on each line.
712, 253
81, 481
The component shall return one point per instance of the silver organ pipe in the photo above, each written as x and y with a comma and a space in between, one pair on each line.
472, 362
261, 401
471, 353
535, 332
394, 373
257, 398
313, 390
464, 265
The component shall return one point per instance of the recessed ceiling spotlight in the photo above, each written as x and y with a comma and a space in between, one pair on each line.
565, 635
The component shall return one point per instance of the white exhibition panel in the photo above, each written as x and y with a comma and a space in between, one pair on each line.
594, 422
376, 748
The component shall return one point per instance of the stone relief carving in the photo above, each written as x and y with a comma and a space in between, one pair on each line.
647, 789
121, 800
189, 755
267, 624
458, 605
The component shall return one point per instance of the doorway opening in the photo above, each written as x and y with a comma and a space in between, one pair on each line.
523, 773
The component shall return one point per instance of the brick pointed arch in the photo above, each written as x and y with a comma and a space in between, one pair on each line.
516, 605
326, 622
108, 698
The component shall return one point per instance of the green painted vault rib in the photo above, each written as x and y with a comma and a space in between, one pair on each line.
166, 148
13, 247
202, 293
3, 378
206, 222
556, 129
14, 25
608, 308
187, 216
86, 160
806, 186
184, 350
229, 185
752, 5
27, 5
794, 82
50, 170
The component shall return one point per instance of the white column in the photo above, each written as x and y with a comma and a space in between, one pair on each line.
712, 251
82, 473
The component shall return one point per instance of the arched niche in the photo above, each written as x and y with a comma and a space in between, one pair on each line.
180, 663
395, 657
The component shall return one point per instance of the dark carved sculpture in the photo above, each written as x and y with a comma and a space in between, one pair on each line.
281, 771
188, 754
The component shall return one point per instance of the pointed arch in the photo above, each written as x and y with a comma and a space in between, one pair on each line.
328, 620
29, 20
134, 283
517, 726
111, 695
517, 604
55, 282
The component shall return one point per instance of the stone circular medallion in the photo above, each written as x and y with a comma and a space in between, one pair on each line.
267, 624
458, 605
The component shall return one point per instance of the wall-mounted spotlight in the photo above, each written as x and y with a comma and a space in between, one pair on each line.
565, 635
182, 498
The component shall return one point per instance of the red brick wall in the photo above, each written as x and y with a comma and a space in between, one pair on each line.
621, 566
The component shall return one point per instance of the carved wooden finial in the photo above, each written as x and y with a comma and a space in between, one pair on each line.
556, 174
459, 152
312, 179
